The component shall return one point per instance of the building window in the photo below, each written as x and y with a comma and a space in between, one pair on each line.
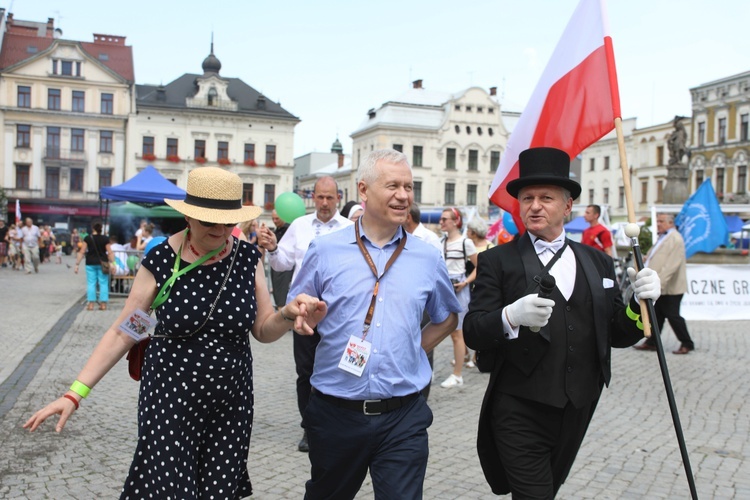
54, 66
621, 197
450, 193
457, 107
468, 107
270, 154
490, 110
468, 130
591, 196
417, 191
592, 164
200, 148
473, 159
247, 194
458, 129
744, 124
76, 180
53, 142
480, 109
148, 145
76, 139
24, 96
53, 99
606, 163
417, 157
66, 68
52, 182
701, 133
23, 136
659, 155
644, 191
108, 102
399, 147
222, 151
659, 191
494, 160
471, 194
722, 130
105, 141
269, 194
605, 197
22, 176
720, 181
742, 179
450, 159
479, 130
105, 177
699, 178
490, 131
172, 147
249, 152
79, 101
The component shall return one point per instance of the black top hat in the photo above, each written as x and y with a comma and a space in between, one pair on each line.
544, 166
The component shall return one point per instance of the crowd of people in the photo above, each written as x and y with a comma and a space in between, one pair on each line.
363, 336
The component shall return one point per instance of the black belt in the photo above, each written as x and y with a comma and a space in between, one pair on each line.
368, 406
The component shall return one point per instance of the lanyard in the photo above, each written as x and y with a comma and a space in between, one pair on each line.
371, 264
166, 288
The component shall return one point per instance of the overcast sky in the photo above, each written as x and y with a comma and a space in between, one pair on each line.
328, 62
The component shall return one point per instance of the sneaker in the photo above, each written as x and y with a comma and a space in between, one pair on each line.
452, 381
470, 364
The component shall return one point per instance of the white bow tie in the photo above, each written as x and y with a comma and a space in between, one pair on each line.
554, 246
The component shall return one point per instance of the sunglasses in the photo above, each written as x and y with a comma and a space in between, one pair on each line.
212, 224
443, 219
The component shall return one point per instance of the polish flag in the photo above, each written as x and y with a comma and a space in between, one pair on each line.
18, 212
574, 104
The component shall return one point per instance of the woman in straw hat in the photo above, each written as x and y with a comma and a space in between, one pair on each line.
195, 404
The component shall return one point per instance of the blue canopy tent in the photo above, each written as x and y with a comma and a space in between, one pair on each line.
734, 223
148, 186
577, 225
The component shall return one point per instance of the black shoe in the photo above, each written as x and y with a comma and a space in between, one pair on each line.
645, 347
303, 446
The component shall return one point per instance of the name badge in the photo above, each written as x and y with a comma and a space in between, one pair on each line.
355, 356
138, 325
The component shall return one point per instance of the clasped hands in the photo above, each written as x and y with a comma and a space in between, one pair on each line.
307, 312
535, 311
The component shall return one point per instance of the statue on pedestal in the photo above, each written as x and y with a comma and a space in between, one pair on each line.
676, 189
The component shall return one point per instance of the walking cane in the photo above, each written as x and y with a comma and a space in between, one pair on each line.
632, 231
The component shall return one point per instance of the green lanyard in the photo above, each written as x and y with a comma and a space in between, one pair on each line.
166, 288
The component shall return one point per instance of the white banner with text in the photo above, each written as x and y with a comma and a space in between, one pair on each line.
717, 292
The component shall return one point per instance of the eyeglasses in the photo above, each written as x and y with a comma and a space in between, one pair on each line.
212, 224
443, 219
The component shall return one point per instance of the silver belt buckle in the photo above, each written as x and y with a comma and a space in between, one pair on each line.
364, 406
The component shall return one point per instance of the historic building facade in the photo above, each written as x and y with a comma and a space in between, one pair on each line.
65, 107
454, 142
208, 119
721, 137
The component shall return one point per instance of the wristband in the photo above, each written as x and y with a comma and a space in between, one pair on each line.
284, 316
635, 317
80, 388
75, 401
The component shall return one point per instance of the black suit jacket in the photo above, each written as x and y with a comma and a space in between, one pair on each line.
503, 274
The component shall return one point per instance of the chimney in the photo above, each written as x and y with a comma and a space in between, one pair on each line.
493, 91
50, 26
341, 160
417, 84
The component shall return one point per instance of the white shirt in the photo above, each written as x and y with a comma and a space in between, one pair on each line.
30, 236
428, 236
293, 246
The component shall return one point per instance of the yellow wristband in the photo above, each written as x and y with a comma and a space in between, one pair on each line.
80, 388
635, 317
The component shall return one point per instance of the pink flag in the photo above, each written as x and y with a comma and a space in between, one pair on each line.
18, 212
574, 104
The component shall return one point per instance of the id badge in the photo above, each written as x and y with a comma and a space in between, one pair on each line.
355, 356
138, 325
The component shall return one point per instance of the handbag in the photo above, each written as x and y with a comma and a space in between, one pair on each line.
137, 353
486, 358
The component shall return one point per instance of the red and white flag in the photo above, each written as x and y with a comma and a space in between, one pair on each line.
574, 104
18, 212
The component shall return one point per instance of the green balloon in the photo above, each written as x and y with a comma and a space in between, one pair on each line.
289, 206
132, 262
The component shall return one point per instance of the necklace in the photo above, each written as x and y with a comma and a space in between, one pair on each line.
218, 256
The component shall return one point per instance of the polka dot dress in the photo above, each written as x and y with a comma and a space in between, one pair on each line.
195, 406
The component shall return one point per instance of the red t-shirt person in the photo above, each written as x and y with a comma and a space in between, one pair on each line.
597, 236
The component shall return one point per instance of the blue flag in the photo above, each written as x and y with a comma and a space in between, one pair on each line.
701, 222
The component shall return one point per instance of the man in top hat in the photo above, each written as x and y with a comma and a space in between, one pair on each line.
552, 354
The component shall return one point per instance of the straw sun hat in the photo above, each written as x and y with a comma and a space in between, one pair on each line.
214, 195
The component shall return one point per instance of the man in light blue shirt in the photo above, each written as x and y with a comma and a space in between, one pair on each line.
366, 411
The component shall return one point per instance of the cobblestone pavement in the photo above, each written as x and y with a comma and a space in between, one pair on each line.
630, 451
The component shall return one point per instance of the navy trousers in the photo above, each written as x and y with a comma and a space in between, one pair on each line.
345, 443
304, 359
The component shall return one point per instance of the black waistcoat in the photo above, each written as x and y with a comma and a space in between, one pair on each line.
569, 371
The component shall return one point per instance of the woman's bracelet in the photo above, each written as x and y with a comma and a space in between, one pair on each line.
284, 316
80, 388
75, 401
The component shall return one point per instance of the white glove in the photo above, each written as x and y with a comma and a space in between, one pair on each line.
530, 310
646, 284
